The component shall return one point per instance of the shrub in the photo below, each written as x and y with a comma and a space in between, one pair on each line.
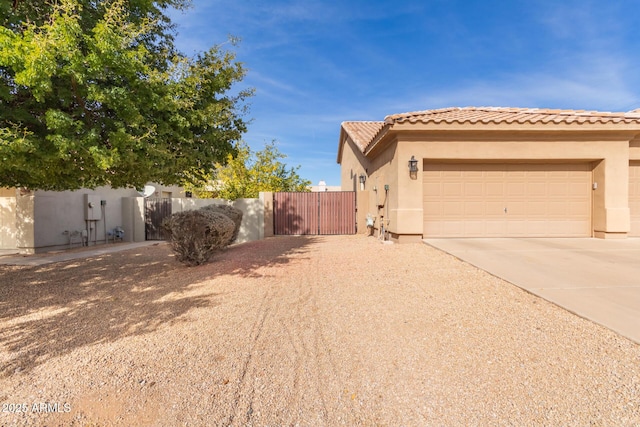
232, 213
196, 235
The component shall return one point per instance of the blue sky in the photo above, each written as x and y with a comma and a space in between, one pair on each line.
317, 63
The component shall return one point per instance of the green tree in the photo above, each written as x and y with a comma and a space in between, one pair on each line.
246, 174
93, 92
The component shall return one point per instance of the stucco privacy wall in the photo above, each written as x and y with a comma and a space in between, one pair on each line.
252, 227
42, 217
36, 221
266, 198
8, 230
605, 142
58, 211
133, 222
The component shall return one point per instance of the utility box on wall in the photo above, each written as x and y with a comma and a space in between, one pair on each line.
92, 209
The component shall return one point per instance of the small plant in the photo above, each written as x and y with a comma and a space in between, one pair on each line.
232, 213
196, 235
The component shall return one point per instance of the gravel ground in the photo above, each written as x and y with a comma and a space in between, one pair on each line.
305, 331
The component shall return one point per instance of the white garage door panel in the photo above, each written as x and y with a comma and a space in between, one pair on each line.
634, 198
541, 200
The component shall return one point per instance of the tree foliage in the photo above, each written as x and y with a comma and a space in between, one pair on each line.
93, 92
246, 174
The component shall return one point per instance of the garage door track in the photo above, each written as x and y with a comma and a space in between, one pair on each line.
594, 278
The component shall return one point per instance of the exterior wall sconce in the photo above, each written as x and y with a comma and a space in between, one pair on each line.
413, 167
363, 179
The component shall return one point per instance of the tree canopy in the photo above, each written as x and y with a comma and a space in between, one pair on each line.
247, 173
94, 92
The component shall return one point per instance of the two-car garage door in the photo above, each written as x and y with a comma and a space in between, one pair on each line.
507, 200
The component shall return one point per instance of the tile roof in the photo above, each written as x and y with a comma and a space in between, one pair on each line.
499, 115
365, 133
362, 133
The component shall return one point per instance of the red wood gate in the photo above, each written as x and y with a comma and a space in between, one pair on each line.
332, 212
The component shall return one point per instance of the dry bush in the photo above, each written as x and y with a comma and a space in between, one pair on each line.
232, 213
196, 235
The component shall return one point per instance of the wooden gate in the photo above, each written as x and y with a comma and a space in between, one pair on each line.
314, 213
155, 211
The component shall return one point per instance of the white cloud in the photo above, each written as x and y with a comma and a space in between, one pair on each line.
591, 80
256, 77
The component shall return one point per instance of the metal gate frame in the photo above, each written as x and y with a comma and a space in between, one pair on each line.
316, 213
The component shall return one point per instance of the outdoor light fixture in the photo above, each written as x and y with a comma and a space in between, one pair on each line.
362, 179
413, 164
413, 167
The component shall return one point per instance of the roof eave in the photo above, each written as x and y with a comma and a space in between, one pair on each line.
379, 137
341, 141
517, 127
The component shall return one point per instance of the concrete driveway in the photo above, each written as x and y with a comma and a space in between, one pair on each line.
594, 278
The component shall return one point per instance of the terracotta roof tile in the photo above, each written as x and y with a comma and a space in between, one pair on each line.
362, 133
496, 115
365, 133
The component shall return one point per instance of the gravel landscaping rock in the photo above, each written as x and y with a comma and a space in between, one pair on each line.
305, 331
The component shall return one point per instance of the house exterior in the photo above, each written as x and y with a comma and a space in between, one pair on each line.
495, 172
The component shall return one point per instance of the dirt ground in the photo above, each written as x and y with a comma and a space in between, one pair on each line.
307, 331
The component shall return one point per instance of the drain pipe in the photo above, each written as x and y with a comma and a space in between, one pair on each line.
103, 206
386, 206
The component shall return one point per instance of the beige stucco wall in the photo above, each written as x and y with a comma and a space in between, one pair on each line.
383, 172
372, 199
133, 219
8, 230
25, 234
267, 225
168, 191
353, 164
634, 149
58, 211
252, 227
363, 209
608, 153
42, 217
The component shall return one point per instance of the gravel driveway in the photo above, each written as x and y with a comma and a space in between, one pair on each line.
305, 331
